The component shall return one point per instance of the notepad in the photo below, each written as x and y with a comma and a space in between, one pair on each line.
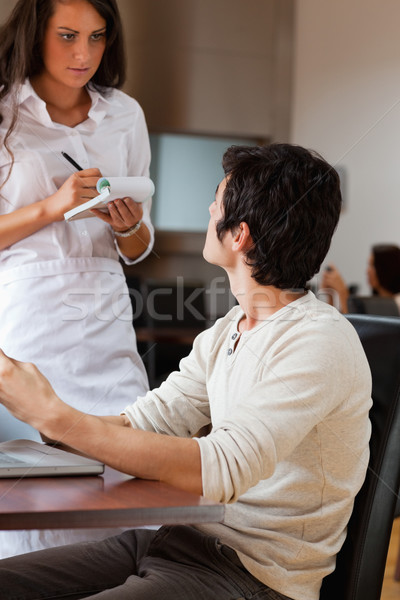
111, 188
26, 458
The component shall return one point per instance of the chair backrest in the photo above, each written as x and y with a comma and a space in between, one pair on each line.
361, 561
171, 303
373, 305
174, 312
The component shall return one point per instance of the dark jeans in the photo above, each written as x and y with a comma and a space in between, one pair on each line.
173, 563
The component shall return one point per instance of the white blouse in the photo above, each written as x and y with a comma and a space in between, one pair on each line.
113, 138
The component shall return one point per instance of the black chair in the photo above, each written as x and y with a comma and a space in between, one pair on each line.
373, 305
361, 561
173, 314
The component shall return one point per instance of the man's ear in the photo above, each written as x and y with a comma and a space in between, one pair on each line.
241, 238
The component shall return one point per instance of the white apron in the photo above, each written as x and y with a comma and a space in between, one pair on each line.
57, 314
64, 304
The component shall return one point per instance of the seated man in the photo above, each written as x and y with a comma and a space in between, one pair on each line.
285, 385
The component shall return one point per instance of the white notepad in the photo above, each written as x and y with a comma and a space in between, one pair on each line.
111, 188
26, 458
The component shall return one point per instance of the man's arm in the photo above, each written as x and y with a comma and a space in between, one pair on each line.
27, 394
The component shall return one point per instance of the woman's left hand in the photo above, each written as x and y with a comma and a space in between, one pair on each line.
123, 214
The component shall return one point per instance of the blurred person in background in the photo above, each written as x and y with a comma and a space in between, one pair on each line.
383, 276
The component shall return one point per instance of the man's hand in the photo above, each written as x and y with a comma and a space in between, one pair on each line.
25, 392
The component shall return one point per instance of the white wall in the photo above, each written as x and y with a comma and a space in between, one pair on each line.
218, 67
347, 106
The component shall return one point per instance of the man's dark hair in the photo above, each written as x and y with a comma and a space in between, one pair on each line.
290, 199
387, 266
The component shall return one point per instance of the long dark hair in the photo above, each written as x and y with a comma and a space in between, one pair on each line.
21, 40
387, 266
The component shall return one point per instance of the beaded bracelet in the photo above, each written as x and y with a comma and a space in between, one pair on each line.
130, 231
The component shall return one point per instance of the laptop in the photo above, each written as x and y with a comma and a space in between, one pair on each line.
27, 458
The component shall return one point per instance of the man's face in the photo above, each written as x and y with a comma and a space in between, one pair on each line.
214, 251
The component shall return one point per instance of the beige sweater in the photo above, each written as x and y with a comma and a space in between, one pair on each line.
288, 449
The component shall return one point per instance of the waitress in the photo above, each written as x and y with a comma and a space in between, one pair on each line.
64, 303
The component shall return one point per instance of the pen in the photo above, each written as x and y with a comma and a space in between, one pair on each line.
71, 160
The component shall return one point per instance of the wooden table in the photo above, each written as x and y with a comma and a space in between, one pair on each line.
109, 500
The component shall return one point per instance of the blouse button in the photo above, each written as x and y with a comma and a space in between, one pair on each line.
234, 336
230, 351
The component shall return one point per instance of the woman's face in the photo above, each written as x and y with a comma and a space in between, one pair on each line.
371, 273
73, 44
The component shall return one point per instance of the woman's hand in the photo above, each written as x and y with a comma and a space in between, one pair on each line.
123, 213
333, 283
77, 189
